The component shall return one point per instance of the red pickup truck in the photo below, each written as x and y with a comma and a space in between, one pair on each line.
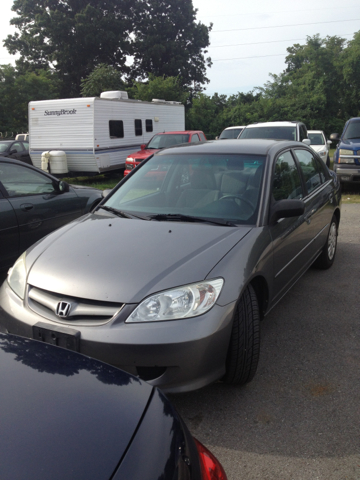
162, 140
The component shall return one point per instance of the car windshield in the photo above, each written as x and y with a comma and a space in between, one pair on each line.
214, 188
230, 133
316, 138
168, 140
276, 133
4, 146
353, 130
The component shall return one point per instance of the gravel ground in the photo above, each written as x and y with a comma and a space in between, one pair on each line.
299, 418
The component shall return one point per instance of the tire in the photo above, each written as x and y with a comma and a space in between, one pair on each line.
244, 348
327, 256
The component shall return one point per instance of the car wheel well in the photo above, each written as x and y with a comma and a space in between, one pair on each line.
261, 288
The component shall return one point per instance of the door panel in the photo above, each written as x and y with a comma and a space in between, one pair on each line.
40, 208
292, 237
9, 234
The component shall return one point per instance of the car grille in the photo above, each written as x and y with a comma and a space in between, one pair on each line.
80, 312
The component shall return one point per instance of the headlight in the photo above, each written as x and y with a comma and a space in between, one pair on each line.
17, 277
182, 302
129, 159
346, 159
323, 153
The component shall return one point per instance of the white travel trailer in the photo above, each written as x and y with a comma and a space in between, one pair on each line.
97, 134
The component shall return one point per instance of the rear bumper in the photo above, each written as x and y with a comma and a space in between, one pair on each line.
182, 355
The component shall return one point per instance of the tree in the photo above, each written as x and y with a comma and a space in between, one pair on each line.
72, 37
101, 79
166, 88
17, 90
169, 42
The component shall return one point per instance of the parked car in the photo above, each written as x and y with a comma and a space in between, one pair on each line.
33, 204
320, 145
277, 130
230, 132
169, 276
67, 416
160, 141
347, 153
15, 149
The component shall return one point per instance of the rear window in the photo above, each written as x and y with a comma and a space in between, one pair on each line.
276, 133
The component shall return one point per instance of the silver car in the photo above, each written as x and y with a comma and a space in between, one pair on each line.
171, 274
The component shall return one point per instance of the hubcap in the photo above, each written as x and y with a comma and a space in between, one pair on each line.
332, 239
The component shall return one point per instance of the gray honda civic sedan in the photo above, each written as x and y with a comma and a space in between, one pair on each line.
171, 274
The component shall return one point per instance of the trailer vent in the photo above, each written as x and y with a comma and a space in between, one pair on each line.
115, 94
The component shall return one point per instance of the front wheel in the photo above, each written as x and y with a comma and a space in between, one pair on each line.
244, 348
327, 256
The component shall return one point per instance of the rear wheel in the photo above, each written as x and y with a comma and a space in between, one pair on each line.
327, 256
244, 348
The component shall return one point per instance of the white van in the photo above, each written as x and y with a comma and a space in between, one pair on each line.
97, 134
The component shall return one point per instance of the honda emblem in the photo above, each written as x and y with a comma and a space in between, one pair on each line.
63, 309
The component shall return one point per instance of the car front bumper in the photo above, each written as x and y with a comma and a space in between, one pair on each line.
347, 173
177, 355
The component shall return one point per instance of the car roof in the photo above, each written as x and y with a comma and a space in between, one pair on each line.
243, 146
238, 126
273, 124
315, 131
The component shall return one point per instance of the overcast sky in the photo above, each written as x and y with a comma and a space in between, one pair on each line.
249, 39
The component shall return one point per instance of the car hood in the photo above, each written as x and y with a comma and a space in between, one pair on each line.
143, 154
318, 148
351, 142
64, 415
114, 259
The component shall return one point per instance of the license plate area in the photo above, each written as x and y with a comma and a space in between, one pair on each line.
56, 335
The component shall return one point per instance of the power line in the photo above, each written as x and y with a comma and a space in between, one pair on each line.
242, 58
271, 41
281, 26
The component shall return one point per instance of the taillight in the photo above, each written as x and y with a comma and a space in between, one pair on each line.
211, 468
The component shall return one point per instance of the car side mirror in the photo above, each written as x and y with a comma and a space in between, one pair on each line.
63, 186
335, 136
142, 146
307, 141
216, 138
286, 209
12, 151
329, 142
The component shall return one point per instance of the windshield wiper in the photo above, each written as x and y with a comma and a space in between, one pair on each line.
178, 217
120, 213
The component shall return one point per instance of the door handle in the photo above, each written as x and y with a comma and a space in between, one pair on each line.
26, 207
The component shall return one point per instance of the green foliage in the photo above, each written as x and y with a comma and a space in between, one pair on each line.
103, 78
166, 88
73, 37
16, 90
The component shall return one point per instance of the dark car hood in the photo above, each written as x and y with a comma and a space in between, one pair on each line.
114, 259
63, 415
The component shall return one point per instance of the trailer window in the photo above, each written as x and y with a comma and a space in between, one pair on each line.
138, 128
149, 125
116, 128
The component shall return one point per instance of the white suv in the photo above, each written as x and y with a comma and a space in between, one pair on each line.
320, 145
277, 130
